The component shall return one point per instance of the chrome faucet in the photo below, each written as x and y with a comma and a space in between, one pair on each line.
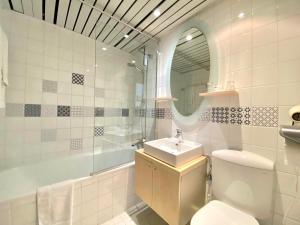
179, 136
139, 143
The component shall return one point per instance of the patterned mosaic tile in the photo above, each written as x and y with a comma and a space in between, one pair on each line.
125, 112
99, 131
240, 115
48, 135
14, 110
99, 111
77, 79
265, 116
77, 111
63, 111
205, 115
168, 113
49, 110
220, 114
32, 110
50, 86
75, 144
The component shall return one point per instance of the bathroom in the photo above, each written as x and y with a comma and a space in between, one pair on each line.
87, 87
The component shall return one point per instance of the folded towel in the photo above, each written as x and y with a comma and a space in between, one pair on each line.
55, 204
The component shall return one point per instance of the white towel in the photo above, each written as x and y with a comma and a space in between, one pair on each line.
3, 66
55, 204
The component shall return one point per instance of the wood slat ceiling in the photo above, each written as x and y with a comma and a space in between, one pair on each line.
76, 16
191, 54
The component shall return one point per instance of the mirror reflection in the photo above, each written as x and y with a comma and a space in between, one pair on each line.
190, 71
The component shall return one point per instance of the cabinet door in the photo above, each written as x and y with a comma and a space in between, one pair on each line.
166, 193
143, 182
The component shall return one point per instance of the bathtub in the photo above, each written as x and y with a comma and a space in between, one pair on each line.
26, 179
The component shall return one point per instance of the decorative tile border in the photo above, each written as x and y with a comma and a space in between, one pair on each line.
265, 116
256, 116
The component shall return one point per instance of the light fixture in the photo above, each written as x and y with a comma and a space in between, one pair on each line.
156, 13
189, 37
126, 36
241, 15
104, 49
133, 61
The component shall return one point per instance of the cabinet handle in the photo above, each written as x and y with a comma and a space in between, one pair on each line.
155, 168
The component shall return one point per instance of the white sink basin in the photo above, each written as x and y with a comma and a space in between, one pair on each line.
169, 151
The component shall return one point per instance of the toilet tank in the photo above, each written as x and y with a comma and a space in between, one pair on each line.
244, 180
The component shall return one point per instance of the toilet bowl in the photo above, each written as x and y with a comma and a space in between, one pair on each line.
240, 196
216, 213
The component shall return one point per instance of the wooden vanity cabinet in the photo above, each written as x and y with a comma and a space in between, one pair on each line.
173, 193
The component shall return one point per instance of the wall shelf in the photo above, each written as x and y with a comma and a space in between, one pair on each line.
219, 93
165, 99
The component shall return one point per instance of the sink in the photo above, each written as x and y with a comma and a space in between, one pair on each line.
168, 151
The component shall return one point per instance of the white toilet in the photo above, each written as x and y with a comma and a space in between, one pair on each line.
242, 188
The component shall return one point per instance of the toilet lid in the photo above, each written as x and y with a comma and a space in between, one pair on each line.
216, 213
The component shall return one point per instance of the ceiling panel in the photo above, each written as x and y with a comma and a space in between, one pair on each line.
74, 10
17, 5
81, 18
62, 12
27, 6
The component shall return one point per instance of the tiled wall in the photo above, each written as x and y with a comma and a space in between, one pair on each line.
96, 200
64, 93
260, 52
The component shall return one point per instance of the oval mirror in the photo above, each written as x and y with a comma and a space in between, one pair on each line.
190, 71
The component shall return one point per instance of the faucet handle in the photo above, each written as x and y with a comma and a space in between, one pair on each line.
178, 131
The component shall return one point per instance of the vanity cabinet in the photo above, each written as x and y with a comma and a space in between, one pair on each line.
173, 193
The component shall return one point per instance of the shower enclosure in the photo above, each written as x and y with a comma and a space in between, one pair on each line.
75, 105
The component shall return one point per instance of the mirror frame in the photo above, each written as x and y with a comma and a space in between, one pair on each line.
191, 121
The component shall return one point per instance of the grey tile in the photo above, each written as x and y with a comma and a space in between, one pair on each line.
112, 112
89, 111
99, 111
125, 112
63, 111
77, 79
48, 135
14, 110
99, 92
75, 144
99, 131
49, 110
77, 111
50, 86
32, 110
2, 112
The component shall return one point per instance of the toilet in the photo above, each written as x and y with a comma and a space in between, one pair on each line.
242, 184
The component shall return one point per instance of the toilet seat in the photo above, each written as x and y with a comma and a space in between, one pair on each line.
217, 212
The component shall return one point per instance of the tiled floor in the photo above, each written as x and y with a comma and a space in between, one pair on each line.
143, 217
